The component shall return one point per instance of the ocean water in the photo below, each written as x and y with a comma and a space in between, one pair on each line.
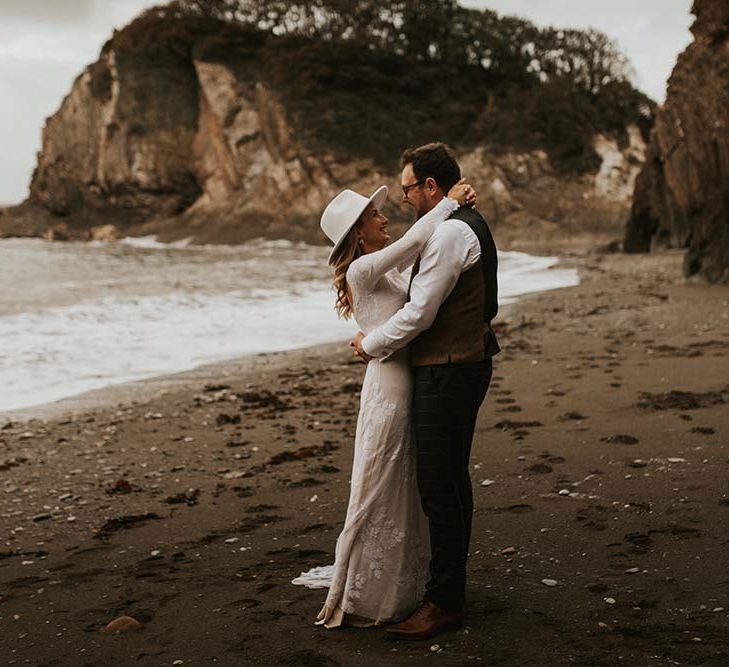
81, 316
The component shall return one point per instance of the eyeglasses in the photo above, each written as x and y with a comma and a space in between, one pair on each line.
407, 188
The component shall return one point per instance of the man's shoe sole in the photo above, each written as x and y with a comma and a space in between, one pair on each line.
404, 636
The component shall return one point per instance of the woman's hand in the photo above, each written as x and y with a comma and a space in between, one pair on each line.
463, 193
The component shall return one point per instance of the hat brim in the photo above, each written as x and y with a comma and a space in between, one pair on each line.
377, 198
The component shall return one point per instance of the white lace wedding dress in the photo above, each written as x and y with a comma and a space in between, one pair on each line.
383, 551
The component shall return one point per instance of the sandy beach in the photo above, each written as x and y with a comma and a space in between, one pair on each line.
189, 503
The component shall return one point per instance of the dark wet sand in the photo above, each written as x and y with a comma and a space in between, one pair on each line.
192, 503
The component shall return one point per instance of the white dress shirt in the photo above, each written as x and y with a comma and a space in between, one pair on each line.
452, 249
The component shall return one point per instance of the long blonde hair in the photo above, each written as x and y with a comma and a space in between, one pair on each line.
347, 253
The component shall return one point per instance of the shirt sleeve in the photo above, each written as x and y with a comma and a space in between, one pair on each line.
368, 269
445, 256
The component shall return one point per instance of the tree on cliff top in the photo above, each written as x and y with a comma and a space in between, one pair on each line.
437, 70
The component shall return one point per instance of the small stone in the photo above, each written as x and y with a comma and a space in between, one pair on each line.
675, 459
564, 492
549, 582
123, 624
717, 609
314, 498
488, 482
435, 648
231, 540
156, 552
610, 600
632, 570
508, 550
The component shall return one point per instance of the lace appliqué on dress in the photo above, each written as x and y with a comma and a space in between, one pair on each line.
379, 535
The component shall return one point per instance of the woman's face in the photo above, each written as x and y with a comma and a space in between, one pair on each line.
372, 230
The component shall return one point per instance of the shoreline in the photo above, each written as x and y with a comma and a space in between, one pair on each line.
525, 270
599, 466
140, 391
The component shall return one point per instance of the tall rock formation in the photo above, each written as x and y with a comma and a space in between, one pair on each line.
682, 195
182, 129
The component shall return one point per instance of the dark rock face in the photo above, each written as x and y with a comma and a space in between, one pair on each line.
682, 195
116, 151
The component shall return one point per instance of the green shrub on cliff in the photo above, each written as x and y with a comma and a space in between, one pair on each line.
365, 78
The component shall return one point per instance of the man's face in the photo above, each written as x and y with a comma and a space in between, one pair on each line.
421, 195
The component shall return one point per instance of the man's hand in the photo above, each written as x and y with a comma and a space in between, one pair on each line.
356, 343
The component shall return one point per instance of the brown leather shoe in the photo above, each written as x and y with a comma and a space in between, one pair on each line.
426, 622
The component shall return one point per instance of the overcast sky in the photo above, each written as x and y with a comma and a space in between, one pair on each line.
45, 44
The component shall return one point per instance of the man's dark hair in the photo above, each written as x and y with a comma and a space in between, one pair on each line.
433, 161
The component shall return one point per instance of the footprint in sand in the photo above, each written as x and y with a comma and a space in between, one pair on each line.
568, 416
590, 519
257, 509
508, 425
620, 440
703, 430
255, 522
314, 528
553, 459
521, 508
306, 658
305, 483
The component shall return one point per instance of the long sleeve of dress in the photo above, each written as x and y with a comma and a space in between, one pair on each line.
367, 270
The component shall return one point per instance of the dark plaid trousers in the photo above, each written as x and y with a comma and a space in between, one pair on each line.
445, 405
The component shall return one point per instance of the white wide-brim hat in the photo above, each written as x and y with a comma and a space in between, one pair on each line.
343, 211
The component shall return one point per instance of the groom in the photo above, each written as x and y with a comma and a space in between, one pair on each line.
447, 324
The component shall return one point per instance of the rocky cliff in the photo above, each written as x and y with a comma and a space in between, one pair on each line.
195, 138
682, 194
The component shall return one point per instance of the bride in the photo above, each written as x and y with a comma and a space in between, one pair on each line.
382, 553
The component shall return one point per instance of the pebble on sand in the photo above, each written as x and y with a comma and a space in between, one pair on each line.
123, 624
487, 482
549, 582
